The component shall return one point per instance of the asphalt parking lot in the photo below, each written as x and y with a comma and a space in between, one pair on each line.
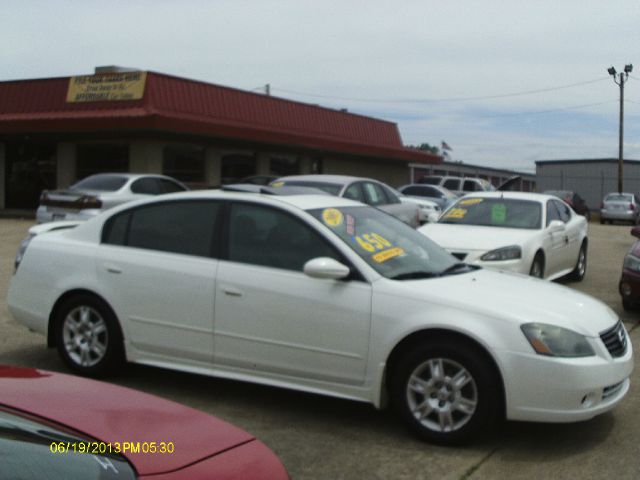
325, 438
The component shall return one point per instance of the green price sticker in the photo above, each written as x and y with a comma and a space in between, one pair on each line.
498, 213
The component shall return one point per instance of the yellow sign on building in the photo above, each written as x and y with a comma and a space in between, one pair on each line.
106, 87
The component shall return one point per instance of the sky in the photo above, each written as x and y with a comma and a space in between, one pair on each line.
503, 83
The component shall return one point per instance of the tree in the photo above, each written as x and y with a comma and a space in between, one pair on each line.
425, 147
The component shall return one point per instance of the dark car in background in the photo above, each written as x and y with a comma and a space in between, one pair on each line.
629, 285
574, 200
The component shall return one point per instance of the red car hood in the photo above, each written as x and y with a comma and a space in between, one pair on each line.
110, 413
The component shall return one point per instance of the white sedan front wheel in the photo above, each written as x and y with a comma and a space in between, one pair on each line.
87, 336
446, 392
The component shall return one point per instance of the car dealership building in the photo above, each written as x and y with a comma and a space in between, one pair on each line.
54, 131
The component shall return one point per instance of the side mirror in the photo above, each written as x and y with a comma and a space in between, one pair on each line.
635, 231
556, 225
327, 268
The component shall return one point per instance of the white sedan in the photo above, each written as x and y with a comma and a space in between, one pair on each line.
528, 233
320, 294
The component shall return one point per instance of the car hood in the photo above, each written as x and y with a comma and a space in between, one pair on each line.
110, 413
514, 298
469, 237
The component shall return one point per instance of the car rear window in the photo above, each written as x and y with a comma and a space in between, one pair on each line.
616, 197
103, 183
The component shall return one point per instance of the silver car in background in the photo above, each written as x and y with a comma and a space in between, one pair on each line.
97, 193
365, 190
623, 207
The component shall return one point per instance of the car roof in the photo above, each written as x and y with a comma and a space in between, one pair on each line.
127, 175
537, 197
341, 179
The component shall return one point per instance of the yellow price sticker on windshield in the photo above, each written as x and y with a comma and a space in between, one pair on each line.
387, 254
277, 184
332, 217
470, 201
372, 242
456, 213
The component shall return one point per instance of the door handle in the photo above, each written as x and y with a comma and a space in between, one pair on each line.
232, 292
112, 268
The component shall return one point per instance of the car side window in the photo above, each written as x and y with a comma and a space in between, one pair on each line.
563, 210
374, 195
167, 186
470, 186
265, 236
186, 227
552, 212
452, 184
391, 197
146, 186
354, 192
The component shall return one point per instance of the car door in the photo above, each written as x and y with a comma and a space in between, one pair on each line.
573, 226
156, 269
558, 240
272, 318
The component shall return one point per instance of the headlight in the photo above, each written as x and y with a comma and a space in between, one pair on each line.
632, 263
556, 341
506, 253
21, 249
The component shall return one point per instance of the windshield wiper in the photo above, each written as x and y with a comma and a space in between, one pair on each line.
415, 275
457, 268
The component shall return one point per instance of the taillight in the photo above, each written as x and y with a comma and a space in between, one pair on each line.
44, 197
632, 206
87, 201
21, 249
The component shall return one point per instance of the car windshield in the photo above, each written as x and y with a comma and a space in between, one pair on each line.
30, 449
390, 247
102, 183
495, 212
330, 188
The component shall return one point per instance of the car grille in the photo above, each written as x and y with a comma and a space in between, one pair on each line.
459, 255
611, 390
615, 339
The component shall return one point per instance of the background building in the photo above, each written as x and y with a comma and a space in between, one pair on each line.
592, 179
496, 176
54, 131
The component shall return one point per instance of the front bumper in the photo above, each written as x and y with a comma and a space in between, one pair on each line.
550, 389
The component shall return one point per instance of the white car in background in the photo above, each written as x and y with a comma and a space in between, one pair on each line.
365, 190
323, 295
97, 193
429, 211
528, 233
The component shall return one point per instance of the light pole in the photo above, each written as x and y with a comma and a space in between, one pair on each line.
620, 81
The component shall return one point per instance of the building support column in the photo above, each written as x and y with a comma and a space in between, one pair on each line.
65, 164
3, 182
145, 157
212, 167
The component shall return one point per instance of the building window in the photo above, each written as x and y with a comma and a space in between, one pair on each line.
284, 166
184, 163
237, 166
101, 158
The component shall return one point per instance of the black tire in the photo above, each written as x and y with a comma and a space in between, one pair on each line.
537, 266
433, 405
88, 336
628, 306
580, 269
